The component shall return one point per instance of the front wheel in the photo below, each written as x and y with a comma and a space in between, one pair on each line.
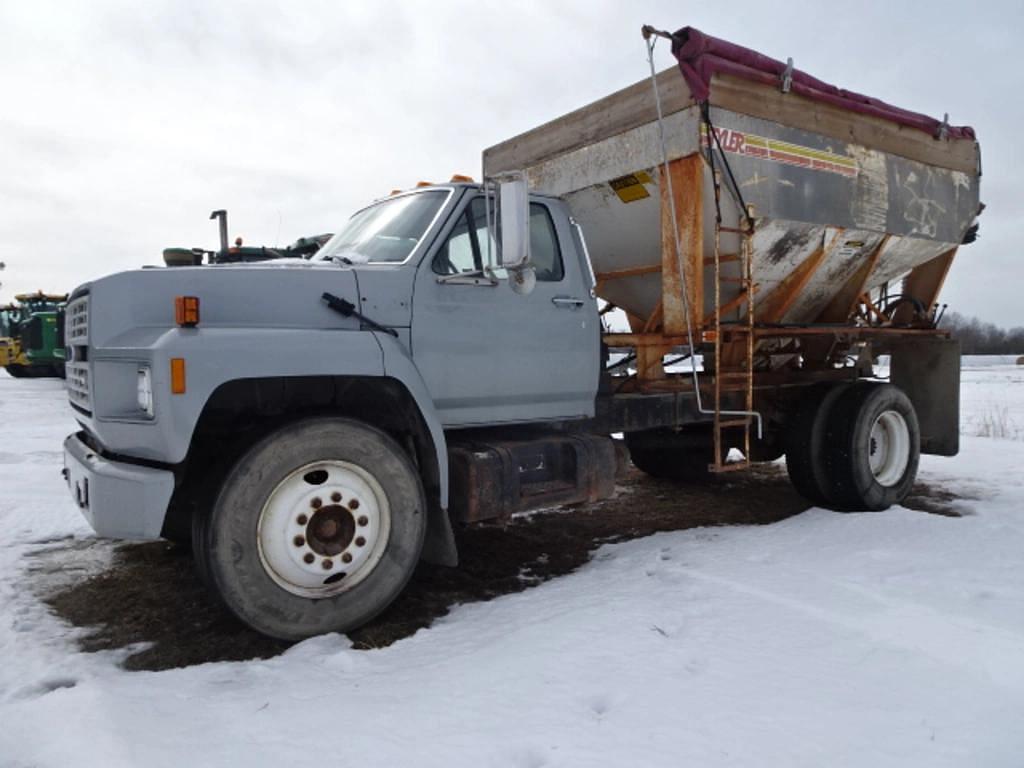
316, 529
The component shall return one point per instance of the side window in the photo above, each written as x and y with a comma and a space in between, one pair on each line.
544, 251
466, 247
458, 254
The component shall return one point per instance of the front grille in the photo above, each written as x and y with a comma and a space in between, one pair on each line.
76, 334
78, 386
76, 322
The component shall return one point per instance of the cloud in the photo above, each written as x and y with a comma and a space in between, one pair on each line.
125, 123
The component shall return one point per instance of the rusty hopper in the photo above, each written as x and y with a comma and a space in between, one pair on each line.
846, 195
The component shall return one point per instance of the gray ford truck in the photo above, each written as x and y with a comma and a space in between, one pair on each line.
317, 427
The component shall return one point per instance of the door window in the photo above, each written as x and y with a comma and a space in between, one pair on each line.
466, 247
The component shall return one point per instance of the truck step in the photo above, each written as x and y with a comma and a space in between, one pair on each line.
733, 466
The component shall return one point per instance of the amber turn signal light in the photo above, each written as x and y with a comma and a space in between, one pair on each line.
186, 311
178, 375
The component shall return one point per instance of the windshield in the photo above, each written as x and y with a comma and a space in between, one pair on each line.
387, 231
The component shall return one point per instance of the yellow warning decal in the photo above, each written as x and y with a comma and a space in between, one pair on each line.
631, 188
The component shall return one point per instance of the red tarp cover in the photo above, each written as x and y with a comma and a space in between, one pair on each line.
701, 56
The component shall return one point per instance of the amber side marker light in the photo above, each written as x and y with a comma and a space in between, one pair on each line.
186, 311
178, 375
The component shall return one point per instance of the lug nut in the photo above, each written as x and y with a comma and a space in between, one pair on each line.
299, 540
346, 558
316, 503
302, 520
335, 497
353, 504
360, 541
309, 557
363, 520
327, 564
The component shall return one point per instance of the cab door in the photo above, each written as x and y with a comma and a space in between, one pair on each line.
489, 355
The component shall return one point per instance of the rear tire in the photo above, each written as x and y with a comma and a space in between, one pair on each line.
317, 528
805, 442
873, 447
669, 455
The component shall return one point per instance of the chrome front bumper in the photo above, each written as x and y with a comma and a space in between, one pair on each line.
120, 500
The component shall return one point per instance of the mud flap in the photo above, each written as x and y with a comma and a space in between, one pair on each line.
439, 545
928, 371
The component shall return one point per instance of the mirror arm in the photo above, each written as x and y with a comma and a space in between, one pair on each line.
476, 277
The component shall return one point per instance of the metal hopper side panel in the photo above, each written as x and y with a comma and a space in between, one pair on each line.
796, 175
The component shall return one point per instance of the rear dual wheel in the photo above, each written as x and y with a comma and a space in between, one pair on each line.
669, 455
872, 448
316, 529
854, 446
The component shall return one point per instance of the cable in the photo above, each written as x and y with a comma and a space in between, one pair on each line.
706, 114
651, 41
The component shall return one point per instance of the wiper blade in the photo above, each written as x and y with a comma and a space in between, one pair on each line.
348, 309
349, 257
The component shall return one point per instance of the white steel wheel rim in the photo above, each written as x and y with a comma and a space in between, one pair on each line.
323, 529
889, 448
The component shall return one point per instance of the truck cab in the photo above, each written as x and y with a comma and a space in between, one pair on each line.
418, 404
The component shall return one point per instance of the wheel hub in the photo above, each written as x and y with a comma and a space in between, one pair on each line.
889, 448
331, 530
323, 529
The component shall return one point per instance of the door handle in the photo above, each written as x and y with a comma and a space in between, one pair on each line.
569, 302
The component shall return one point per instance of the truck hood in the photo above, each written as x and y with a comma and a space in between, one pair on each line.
128, 306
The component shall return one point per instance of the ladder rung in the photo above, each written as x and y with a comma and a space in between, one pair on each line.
734, 230
735, 375
734, 423
709, 260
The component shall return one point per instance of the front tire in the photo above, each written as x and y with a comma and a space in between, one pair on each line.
315, 529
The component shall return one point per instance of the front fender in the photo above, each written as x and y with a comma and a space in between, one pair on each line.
215, 356
399, 366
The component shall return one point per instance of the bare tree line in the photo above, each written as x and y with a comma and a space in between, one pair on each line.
981, 338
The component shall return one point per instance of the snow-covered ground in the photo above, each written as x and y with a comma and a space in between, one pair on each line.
828, 639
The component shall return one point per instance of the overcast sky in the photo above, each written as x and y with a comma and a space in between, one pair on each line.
124, 123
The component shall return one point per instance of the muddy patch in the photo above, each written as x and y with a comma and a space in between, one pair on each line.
149, 593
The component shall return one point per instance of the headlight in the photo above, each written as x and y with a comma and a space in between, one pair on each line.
144, 391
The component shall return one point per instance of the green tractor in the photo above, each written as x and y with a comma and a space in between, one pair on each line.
32, 341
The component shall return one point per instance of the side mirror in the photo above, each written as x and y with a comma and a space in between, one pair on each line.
514, 221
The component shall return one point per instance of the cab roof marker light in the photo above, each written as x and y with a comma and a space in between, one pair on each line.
186, 311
